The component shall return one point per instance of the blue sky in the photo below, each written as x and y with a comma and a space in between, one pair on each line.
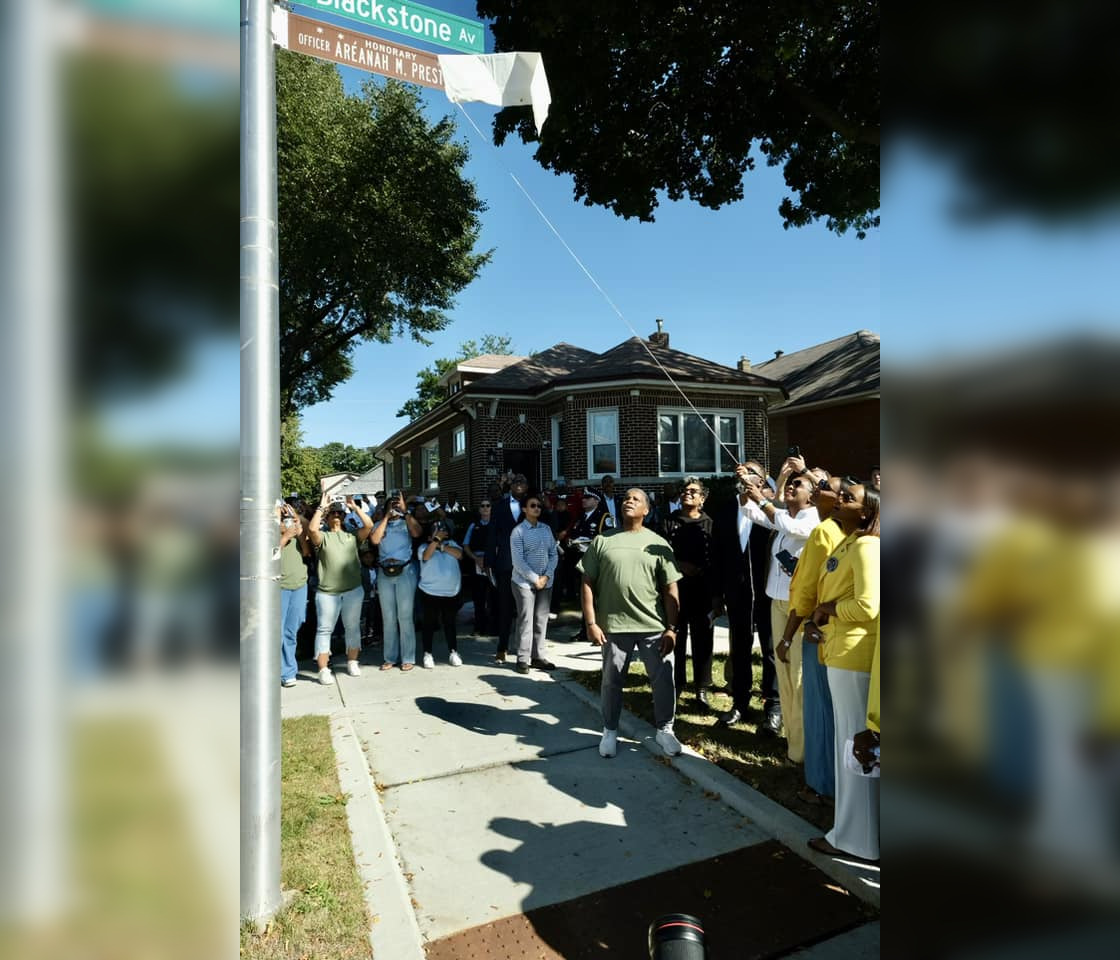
727, 282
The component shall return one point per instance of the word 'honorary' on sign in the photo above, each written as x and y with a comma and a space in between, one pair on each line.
413, 20
328, 42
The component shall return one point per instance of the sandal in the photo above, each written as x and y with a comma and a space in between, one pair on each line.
810, 796
387, 666
405, 667
821, 845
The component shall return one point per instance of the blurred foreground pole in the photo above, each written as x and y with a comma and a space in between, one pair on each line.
33, 833
260, 471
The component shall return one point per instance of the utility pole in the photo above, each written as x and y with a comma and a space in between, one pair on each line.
260, 471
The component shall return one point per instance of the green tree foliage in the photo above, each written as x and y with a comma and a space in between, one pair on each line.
429, 394
300, 466
343, 458
377, 223
151, 168
650, 96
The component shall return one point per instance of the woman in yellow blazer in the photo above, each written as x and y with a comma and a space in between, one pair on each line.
847, 617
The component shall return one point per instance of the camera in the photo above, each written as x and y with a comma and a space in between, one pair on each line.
794, 451
677, 936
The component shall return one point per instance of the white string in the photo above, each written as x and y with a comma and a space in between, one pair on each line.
598, 286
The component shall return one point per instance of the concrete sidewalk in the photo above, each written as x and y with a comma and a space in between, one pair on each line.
478, 794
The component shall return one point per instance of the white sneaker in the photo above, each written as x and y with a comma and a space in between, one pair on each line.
326, 678
668, 742
353, 668
455, 660
554, 616
429, 661
608, 746
290, 682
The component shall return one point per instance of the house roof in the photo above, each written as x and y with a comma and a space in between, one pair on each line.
530, 374
485, 364
847, 367
631, 359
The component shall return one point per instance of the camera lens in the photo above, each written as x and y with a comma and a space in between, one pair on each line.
677, 936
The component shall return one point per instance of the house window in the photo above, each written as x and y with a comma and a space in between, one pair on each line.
602, 442
708, 442
557, 451
406, 470
458, 441
429, 465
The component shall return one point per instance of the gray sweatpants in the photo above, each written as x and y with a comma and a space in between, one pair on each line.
617, 653
531, 622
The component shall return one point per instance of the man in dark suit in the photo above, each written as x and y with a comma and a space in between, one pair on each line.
507, 515
742, 553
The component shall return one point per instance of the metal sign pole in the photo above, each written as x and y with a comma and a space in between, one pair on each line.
260, 471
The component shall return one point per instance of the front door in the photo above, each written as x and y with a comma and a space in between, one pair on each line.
527, 462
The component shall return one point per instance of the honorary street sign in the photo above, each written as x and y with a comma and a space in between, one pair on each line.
411, 19
352, 49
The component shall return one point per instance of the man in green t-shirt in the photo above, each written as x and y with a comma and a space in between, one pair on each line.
630, 605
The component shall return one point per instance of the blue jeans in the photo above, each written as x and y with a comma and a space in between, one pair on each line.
327, 608
398, 599
293, 611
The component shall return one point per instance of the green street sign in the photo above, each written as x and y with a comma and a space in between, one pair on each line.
412, 20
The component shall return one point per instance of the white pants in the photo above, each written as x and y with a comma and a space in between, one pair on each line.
856, 827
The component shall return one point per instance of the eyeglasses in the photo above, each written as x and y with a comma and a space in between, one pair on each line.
483, 505
796, 483
532, 506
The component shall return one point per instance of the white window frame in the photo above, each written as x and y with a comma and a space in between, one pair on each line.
591, 471
680, 413
426, 480
459, 441
557, 449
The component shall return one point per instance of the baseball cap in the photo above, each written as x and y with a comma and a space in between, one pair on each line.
336, 507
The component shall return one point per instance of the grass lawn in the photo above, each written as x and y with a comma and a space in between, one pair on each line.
327, 920
758, 761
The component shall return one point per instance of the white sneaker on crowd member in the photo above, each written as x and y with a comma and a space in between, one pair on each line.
353, 668
429, 661
290, 682
668, 742
554, 616
608, 746
326, 678
455, 660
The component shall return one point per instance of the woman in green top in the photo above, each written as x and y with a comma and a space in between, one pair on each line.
340, 582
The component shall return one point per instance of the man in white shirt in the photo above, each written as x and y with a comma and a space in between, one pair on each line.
792, 523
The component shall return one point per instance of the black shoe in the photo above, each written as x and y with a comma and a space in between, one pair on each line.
731, 717
543, 664
772, 725
704, 699
500, 656
522, 668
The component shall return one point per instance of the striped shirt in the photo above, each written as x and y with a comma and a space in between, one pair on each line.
533, 551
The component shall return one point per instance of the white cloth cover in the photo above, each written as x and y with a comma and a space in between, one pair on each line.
503, 79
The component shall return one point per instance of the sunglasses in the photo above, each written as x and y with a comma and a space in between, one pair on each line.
532, 506
692, 491
797, 483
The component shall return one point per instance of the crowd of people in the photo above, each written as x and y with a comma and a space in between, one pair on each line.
793, 562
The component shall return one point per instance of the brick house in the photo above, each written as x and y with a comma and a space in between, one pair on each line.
832, 412
571, 415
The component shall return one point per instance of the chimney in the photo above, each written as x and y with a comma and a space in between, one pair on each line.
744, 365
778, 353
661, 338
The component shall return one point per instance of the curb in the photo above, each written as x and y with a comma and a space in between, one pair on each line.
784, 825
393, 931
